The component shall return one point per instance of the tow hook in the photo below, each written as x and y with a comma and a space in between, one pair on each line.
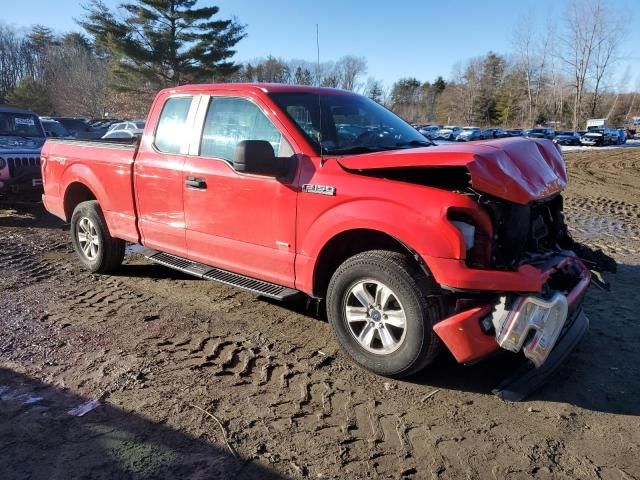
531, 324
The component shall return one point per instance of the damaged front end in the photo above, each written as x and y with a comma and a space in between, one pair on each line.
544, 324
515, 279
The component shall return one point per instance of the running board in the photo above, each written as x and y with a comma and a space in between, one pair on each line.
208, 272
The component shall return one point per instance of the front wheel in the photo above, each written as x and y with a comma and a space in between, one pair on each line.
97, 249
379, 312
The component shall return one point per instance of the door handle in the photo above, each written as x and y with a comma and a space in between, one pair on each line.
196, 182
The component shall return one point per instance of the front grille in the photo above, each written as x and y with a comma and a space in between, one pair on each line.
18, 166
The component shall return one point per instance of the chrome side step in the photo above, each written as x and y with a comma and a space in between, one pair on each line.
259, 287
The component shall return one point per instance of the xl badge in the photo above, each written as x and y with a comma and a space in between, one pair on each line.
319, 189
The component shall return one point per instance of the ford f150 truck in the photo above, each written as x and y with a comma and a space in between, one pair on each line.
21, 138
284, 190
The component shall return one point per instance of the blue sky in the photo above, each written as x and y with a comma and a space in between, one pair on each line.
399, 39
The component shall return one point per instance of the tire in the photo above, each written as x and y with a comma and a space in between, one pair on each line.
98, 251
416, 345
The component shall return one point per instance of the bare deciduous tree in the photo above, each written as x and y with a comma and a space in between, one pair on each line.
587, 48
14, 60
349, 70
75, 79
532, 53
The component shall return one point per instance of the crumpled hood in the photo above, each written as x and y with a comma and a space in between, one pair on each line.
520, 170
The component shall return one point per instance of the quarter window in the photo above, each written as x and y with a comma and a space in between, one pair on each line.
229, 121
172, 125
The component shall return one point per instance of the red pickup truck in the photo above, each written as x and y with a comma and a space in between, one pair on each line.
284, 190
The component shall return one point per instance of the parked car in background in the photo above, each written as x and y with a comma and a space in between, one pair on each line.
127, 125
54, 129
469, 134
489, 133
622, 136
567, 138
547, 133
514, 132
429, 131
448, 132
599, 137
21, 139
121, 134
100, 127
79, 127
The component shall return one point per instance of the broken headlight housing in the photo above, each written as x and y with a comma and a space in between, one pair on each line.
477, 243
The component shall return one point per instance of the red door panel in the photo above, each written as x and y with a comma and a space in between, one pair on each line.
242, 223
159, 188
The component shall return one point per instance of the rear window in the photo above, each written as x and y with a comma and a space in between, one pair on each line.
171, 129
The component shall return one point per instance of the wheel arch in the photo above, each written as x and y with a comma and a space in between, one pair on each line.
351, 242
82, 184
76, 193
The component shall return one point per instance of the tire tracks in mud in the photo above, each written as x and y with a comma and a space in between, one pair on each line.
295, 394
602, 204
21, 264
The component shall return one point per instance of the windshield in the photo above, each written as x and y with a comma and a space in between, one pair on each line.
349, 123
20, 125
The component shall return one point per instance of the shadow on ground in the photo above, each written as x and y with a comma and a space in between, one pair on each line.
39, 439
15, 213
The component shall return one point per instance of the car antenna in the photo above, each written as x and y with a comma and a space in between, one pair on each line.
318, 85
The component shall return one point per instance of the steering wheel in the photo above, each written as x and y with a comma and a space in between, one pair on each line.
365, 137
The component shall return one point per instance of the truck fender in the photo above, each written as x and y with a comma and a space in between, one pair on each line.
411, 229
79, 173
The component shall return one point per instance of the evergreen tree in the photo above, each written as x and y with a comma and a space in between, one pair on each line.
303, 76
439, 85
31, 95
375, 91
164, 42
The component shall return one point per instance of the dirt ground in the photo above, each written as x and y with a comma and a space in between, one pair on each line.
196, 380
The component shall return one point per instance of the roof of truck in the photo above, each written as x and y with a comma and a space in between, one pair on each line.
263, 87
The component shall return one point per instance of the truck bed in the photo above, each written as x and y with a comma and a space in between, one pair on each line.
106, 166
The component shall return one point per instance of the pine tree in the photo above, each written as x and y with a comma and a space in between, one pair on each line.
302, 76
164, 43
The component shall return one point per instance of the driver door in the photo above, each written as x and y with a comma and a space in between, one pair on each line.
240, 222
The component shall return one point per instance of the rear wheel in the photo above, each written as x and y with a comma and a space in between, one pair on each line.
97, 249
379, 312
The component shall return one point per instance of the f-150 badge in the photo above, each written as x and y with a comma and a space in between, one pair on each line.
319, 189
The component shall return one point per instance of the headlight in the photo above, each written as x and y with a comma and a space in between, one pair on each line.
468, 233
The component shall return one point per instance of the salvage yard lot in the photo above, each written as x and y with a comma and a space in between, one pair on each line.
169, 356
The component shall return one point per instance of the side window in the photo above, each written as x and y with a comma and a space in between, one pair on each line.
171, 129
229, 121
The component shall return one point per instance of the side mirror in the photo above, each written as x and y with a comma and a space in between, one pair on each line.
256, 156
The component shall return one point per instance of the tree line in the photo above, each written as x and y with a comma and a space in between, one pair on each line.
559, 73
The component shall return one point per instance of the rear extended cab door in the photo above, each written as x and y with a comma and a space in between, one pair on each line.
158, 172
238, 221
